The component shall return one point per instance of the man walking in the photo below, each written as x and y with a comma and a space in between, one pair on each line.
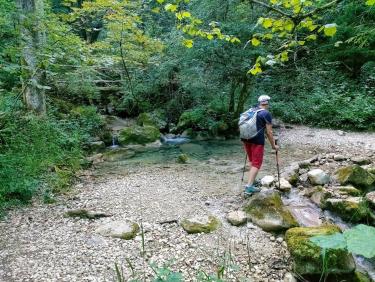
254, 147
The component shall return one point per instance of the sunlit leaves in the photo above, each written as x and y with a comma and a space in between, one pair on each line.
255, 42
330, 29
170, 7
188, 43
370, 2
256, 69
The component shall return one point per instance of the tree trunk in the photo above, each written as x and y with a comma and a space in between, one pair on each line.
32, 41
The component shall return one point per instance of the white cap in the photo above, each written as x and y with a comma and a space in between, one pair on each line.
263, 99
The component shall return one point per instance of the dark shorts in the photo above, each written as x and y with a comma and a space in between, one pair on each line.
255, 153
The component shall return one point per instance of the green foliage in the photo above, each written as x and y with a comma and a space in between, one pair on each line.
359, 240
40, 150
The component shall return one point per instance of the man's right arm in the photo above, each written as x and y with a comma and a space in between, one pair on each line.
270, 136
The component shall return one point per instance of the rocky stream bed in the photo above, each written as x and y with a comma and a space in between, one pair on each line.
148, 198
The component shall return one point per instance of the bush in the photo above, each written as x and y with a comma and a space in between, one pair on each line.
331, 108
40, 150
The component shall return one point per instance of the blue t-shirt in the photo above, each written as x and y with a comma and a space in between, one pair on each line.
263, 117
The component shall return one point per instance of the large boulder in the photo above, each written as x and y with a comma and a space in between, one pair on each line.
156, 119
200, 224
352, 209
307, 256
126, 230
356, 176
318, 177
138, 135
267, 210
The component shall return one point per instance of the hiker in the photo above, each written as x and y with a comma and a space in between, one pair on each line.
258, 123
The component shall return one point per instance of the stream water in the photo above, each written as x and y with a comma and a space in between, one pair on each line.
307, 213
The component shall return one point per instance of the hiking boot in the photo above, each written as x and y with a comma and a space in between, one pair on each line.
251, 189
257, 183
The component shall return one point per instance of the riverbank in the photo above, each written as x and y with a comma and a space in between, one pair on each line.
40, 244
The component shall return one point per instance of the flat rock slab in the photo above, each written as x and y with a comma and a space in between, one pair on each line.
200, 224
237, 218
86, 214
126, 230
267, 181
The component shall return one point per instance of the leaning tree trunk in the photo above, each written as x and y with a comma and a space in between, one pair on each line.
32, 41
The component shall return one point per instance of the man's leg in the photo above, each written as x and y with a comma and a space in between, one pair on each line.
252, 175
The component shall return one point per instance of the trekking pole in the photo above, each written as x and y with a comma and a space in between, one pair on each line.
244, 168
277, 164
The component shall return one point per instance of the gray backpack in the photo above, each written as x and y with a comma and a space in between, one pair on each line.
248, 123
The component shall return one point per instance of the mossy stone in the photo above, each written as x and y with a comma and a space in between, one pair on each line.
361, 277
204, 224
156, 119
138, 135
84, 214
356, 176
267, 210
182, 159
308, 257
349, 190
353, 209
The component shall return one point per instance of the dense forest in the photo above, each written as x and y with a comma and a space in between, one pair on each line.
191, 65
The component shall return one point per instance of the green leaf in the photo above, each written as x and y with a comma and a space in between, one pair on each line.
188, 43
361, 240
170, 8
370, 2
334, 241
160, 1
255, 42
330, 29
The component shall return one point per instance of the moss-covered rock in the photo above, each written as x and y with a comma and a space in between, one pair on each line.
156, 119
182, 159
361, 277
348, 190
356, 176
320, 195
126, 230
308, 257
267, 210
203, 224
138, 135
353, 209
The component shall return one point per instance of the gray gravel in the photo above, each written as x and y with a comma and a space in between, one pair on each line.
39, 244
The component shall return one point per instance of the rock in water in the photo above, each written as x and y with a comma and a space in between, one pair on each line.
319, 196
307, 256
356, 176
352, 209
138, 135
285, 186
267, 210
119, 229
200, 224
318, 177
267, 181
237, 218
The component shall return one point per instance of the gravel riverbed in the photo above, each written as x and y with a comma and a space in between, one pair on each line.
37, 243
